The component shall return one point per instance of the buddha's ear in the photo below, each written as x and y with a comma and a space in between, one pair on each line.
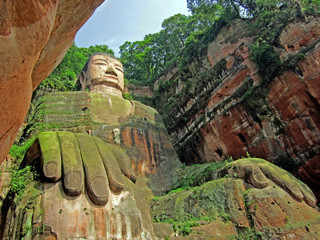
82, 81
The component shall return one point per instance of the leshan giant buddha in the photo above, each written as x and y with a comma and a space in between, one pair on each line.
103, 160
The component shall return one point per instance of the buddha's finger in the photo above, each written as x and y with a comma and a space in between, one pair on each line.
282, 178
50, 155
309, 197
73, 176
111, 165
95, 173
124, 164
257, 178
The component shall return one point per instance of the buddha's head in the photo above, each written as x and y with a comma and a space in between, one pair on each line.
103, 73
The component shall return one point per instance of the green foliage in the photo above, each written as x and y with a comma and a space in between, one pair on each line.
19, 151
21, 179
253, 8
181, 227
267, 20
145, 60
225, 216
180, 40
272, 17
310, 7
40, 229
248, 233
196, 175
26, 229
143, 99
127, 96
196, 6
266, 58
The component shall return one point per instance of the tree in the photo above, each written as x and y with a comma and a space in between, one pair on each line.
145, 60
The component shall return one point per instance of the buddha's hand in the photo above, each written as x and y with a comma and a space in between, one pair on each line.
260, 173
77, 156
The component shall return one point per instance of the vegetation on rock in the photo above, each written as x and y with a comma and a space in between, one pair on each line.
21, 178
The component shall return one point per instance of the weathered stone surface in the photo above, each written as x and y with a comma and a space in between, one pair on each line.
126, 216
222, 117
227, 208
215, 230
163, 230
53, 214
34, 37
5, 179
139, 90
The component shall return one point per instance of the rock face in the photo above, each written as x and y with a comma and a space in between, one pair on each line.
46, 213
139, 90
34, 37
230, 111
227, 208
217, 201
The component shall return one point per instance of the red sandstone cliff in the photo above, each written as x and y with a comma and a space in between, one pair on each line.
229, 111
34, 37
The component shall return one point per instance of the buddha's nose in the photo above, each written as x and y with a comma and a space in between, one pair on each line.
111, 69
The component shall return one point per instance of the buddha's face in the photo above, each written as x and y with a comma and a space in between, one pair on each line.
104, 71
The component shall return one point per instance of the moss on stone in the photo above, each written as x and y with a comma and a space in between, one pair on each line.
60, 111
206, 201
146, 113
109, 109
197, 174
89, 151
69, 149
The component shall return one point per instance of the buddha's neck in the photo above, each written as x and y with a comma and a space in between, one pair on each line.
106, 89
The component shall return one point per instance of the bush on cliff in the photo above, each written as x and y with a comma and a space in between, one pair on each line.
266, 58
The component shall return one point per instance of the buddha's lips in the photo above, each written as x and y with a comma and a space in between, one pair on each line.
104, 79
107, 81
111, 74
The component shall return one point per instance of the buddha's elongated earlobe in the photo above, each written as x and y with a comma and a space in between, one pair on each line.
82, 81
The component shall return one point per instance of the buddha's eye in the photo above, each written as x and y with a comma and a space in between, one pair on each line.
119, 69
101, 63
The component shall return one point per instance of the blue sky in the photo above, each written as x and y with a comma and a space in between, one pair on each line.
117, 21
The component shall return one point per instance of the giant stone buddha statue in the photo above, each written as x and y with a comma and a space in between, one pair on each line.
103, 158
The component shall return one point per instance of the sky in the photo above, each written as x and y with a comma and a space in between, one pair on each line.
118, 21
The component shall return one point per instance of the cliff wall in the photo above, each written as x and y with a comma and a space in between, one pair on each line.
227, 108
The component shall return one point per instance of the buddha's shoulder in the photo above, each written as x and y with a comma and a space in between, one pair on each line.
66, 96
146, 113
